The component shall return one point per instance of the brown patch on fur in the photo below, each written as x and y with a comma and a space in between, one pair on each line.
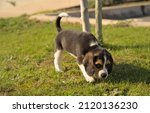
99, 62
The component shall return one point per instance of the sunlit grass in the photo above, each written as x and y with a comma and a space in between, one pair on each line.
26, 61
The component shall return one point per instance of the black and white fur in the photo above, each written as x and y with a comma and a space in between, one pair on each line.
94, 61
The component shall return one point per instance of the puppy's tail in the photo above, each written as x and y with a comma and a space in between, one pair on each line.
59, 19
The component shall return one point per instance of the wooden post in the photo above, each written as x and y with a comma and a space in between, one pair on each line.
98, 17
85, 15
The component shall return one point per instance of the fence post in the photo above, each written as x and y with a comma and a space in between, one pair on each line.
98, 17
85, 15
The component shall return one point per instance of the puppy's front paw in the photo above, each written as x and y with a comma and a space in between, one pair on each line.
90, 79
59, 70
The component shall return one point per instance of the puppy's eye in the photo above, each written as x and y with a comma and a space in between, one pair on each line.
98, 65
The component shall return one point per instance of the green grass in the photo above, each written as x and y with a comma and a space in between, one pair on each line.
26, 61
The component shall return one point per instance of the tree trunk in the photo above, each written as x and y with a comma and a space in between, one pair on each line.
85, 15
98, 17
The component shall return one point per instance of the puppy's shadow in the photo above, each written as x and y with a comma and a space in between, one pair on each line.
129, 73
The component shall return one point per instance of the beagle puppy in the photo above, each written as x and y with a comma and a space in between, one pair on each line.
94, 61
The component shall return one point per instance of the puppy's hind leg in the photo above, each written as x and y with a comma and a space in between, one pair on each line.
57, 59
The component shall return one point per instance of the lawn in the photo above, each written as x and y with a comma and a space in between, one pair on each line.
26, 61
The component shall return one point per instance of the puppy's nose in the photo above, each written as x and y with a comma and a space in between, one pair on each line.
103, 75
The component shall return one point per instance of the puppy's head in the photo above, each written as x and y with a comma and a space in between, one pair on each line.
98, 63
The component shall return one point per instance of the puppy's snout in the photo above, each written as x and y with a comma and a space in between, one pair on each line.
103, 75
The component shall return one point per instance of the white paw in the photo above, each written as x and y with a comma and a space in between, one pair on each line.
59, 70
90, 79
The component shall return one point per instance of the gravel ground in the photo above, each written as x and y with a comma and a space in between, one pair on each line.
13, 8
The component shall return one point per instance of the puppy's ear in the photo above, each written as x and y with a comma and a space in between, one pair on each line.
111, 62
88, 59
88, 63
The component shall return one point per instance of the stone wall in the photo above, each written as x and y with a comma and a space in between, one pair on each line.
113, 2
123, 12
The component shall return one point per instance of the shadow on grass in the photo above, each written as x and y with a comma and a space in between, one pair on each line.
129, 73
